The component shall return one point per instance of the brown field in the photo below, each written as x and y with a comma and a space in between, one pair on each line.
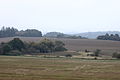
39, 67
107, 47
36, 68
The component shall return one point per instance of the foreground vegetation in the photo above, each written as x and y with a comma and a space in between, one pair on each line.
107, 47
36, 68
18, 47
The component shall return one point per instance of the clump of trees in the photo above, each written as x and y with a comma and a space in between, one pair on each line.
29, 33
76, 37
115, 37
97, 53
8, 32
12, 32
116, 55
18, 47
15, 45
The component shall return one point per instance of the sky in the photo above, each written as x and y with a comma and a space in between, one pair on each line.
68, 16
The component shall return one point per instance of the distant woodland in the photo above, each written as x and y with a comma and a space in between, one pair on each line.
115, 37
11, 32
62, 35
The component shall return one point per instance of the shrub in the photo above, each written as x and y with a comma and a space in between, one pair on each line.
68, 55
86, 50
14, 53
95, 58
59, 46
5, 48
116, 55
97, 52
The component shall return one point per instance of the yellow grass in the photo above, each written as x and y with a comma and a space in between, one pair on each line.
37, 68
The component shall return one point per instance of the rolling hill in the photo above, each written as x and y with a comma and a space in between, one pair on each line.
107, 47
55, 34
93, 35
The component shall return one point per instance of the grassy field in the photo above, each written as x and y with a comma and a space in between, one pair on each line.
36, 68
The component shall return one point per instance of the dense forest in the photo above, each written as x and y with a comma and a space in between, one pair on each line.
11, 32
115, 37
18, 47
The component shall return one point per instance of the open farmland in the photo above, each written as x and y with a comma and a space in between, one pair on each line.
36, 68
107, 47
50, 67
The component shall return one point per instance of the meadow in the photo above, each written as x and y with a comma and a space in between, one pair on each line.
37, 68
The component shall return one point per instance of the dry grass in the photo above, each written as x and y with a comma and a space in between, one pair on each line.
36, 68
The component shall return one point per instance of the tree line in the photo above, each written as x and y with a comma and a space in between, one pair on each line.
18, 47
115, 37
11, 32
62, 35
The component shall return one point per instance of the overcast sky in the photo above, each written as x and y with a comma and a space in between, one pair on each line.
61, 15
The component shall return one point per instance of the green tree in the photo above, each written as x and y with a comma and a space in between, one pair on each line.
17, 44
45, 46
59, 46
5, 48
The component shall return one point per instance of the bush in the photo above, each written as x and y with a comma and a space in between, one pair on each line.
97, 52
95, 58
14, 53
59, 46
68, 55
116, 55
5, 48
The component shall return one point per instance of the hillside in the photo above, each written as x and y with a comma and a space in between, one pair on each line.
107, 47
93, 35
62, 35
55, 34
